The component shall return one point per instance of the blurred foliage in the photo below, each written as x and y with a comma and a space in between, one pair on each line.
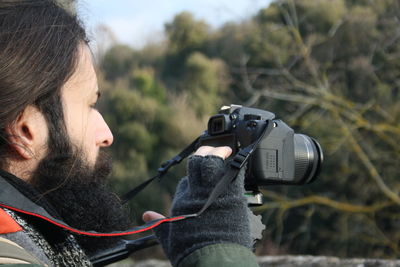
329, 68
185, 33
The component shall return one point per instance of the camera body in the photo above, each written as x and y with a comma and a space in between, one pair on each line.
281, 157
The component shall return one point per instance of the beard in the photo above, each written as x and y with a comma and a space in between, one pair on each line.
80, 195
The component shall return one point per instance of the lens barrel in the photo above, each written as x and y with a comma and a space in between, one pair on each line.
308, 158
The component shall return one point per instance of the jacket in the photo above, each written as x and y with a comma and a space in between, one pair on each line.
26, 239
22, 235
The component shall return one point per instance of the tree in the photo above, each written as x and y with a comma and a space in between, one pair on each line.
204, 82
328, 68
185, 33
117, 62
333, 78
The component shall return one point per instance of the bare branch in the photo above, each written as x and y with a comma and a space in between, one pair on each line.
319, 200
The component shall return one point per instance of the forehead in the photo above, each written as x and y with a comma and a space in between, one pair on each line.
83, 82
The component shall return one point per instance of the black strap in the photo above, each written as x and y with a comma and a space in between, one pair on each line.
236, 164
161, 171
122, 250
132, 193
229, 176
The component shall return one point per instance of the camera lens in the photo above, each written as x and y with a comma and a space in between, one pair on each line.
308, 158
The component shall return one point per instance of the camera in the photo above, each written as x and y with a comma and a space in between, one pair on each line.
281, 156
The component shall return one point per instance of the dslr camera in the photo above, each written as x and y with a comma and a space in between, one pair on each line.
281, 156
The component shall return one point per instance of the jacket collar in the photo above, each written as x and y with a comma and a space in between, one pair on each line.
16, 191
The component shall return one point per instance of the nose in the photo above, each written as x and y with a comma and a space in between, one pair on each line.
104, 136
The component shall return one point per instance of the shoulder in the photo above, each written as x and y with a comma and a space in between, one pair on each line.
17, 239
221, 255
11, 254
7, 223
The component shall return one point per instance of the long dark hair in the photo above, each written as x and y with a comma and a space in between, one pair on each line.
39, 46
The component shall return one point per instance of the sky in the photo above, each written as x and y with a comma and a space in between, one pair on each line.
138, 22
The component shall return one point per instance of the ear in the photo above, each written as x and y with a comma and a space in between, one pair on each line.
28, 134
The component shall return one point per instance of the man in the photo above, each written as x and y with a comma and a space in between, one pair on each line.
53, 168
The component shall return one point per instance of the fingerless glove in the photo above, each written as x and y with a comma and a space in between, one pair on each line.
225, 221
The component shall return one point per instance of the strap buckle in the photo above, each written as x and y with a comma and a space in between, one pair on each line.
241, 158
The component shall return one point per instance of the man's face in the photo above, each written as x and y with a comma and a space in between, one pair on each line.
72, 177
85, 126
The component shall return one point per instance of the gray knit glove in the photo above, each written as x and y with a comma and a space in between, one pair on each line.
225, 221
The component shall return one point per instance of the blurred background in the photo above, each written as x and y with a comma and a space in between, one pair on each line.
328, 68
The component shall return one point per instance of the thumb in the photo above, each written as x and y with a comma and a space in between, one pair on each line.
151, 215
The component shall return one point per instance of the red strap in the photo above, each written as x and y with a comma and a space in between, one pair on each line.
8, 224
147, 226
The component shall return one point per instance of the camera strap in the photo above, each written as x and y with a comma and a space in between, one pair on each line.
161, 171
235, 165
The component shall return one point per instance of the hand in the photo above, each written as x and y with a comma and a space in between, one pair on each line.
222, 152
152, 215
224, 221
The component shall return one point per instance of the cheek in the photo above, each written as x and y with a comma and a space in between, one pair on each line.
83, 136
97, 135
88, 130
77, 121
77, 128
91, 129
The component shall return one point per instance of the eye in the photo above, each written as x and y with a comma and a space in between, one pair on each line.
94, 105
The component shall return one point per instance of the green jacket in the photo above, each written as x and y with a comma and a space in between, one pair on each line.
221, 255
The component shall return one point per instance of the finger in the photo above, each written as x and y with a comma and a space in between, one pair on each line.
151, 215
203, 151
221, 151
